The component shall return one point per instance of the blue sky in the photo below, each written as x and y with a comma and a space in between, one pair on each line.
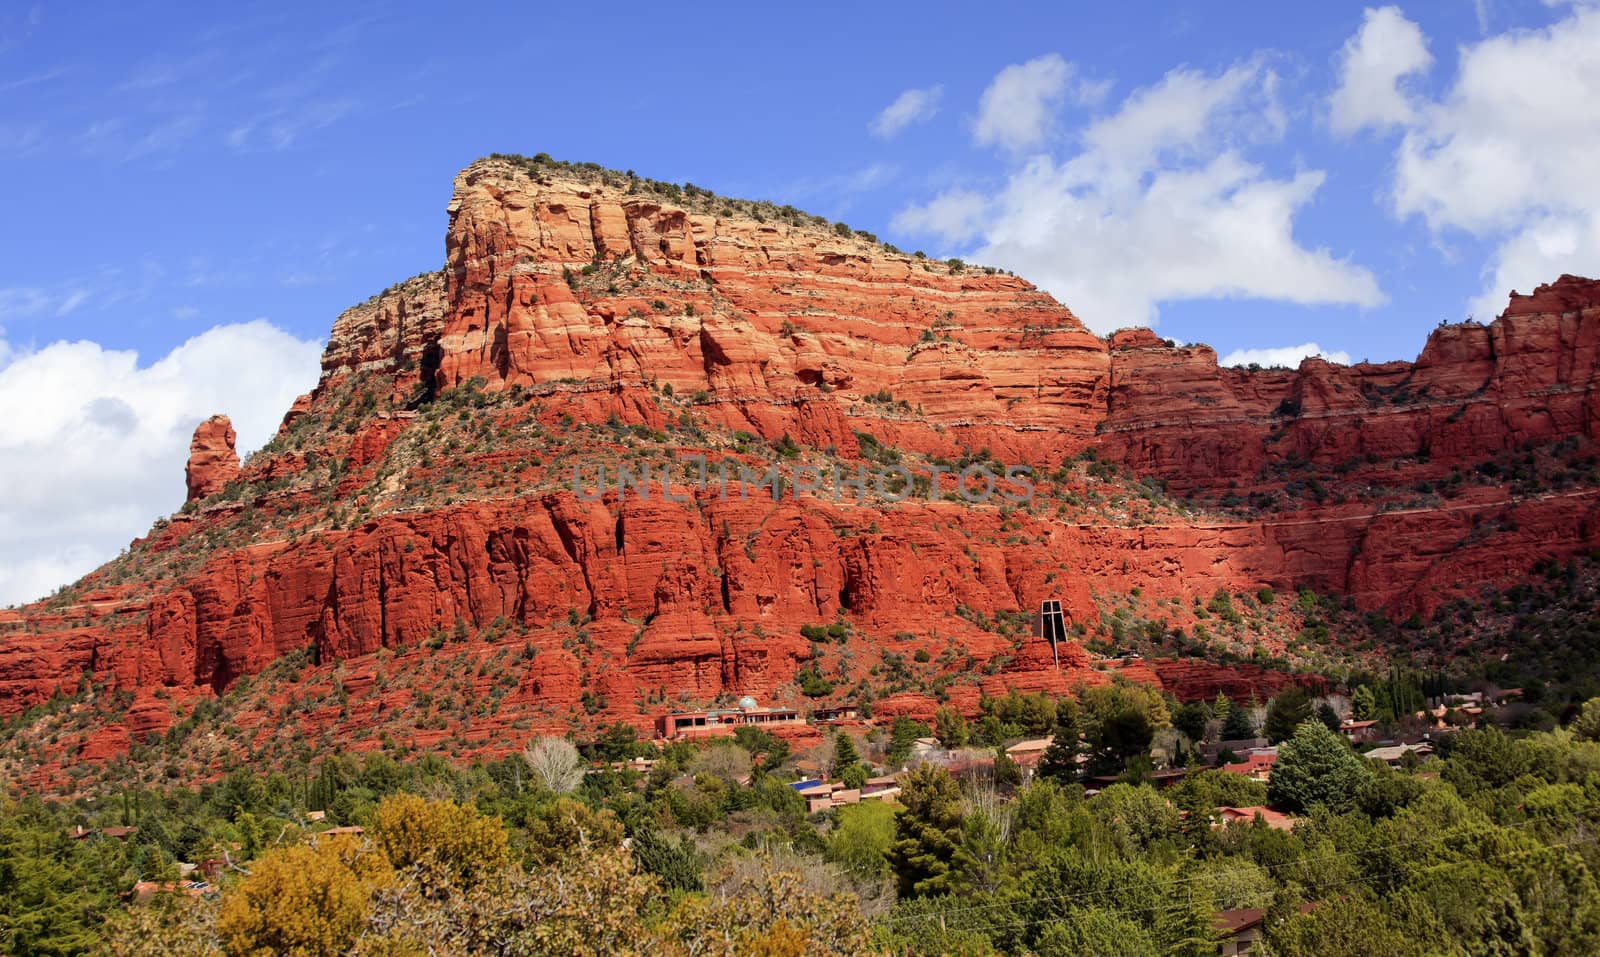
1254, 176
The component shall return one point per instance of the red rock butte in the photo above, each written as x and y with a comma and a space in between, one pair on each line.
421, 494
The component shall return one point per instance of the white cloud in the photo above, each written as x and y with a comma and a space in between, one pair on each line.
1018, 108
1286, 356
955, 216
1508, 155
1158, 204
912, 106
92, 445
1386, 49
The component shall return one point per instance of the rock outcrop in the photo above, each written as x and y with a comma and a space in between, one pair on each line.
423, 494
213, 461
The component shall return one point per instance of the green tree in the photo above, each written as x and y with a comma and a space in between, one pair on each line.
903, 737
1133, 817
1363, 705
1006, 773
861, 838
1346, 926
1316, 768
927, 847
1328, 716
1286, 712
1059, 762
1192, 719
949, 727
1587, 724
673, 862
845, 755
1220, 707
1238, 725
1118, 737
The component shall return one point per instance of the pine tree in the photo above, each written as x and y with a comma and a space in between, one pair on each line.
1060, 760
845, 755
1288, 711
1006, 772
1238, 725
928, 849
1363, 704
1328, 716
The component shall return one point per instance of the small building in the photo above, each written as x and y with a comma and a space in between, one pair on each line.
120, 833
1395, 754
1161, 778
144, 890
1247, 815
1242, 929
1028, 753
1256, 765
1359, 732
842, 712
883, 788
1210, 750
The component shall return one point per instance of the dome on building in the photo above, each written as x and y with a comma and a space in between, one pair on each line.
747, 703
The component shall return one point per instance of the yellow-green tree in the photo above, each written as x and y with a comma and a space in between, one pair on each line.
302, 901
443, 841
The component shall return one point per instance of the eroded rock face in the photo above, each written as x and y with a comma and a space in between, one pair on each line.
1526, 379
607, 318
213, 462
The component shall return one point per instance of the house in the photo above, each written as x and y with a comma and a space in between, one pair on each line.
1242, 929
1164, 777
144, 890
823, 795
1359, 732
818, 800
1247, 815
1395, 754
1256, 765
722, 722
828, 715
1211, 749
1027, 754
351, 829
120, 833
884, 788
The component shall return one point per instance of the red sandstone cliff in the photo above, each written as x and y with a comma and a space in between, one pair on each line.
595, 318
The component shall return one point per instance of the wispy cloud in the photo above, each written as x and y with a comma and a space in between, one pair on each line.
74, 299
22, 83
912, 106
280, 128
21, 140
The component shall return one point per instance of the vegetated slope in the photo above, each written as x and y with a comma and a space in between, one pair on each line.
423, 493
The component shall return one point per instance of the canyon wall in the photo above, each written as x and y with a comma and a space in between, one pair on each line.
587, 315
